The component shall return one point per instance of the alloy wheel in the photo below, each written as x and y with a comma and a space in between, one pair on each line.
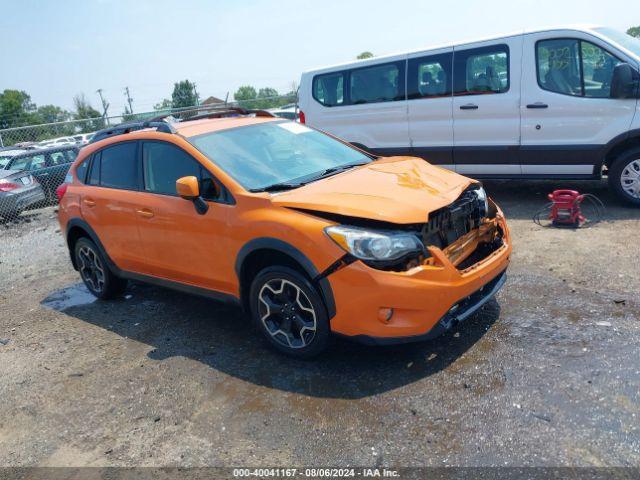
630, 178
287, 313
91, 268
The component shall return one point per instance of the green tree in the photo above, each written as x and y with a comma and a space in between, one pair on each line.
16, 109
364, 55
634, 31
56, 115
246, 96
165, 104
184, 94
84, 111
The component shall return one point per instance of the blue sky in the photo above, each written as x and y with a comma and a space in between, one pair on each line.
56, 49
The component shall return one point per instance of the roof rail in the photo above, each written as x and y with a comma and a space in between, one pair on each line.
214, 112
160, 126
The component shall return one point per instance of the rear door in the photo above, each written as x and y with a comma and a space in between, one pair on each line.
567, 114
110, 201
430, 105
365, 106
486, 107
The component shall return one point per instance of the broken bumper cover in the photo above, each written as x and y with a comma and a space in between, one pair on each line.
425, 300
456, 314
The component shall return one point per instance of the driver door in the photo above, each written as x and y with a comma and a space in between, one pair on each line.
180, 244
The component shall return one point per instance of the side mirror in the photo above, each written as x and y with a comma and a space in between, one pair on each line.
624, 82
189, 189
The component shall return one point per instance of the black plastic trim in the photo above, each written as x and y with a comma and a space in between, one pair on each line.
284, 247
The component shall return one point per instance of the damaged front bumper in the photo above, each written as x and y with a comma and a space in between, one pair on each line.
426, 299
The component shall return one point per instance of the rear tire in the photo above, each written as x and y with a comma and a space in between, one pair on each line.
289, 312
95, 273
624, 177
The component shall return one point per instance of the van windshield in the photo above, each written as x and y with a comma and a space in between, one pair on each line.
624, 40
276, 155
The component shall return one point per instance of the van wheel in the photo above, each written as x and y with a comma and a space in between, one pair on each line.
97, 277
289, 312
624, 176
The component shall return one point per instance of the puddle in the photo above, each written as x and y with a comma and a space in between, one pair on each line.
72, 296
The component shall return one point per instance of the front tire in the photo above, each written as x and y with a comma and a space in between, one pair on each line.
624, 177
289, 312
95, 273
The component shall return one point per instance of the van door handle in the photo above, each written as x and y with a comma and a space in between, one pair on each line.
469, 106
145, 212
537, 105
89, 203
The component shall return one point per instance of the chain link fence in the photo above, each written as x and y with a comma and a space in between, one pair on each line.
35, 159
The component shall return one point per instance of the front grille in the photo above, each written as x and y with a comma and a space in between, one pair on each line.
448, 224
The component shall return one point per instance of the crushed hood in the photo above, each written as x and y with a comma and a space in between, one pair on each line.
394, 189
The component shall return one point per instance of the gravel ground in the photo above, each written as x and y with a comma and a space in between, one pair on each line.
545, 375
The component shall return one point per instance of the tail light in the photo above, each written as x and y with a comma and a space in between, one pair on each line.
7, 186
301, 117
61, 190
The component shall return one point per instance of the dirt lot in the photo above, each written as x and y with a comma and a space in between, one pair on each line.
549, 374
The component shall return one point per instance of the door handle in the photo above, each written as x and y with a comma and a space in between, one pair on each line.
469, 106
537, 105
145, 212
89, 203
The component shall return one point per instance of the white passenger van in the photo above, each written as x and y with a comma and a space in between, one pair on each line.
552, 103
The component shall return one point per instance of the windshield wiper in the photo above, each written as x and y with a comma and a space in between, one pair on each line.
277, 187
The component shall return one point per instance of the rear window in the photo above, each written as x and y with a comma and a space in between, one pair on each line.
119, 166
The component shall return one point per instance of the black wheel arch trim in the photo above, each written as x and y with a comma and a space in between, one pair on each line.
616, 142
317, 278
93, 236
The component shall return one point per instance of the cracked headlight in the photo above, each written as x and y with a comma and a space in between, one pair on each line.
483, 200
375, 245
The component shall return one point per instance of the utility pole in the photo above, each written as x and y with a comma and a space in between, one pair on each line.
105, 106
129, 99
195, 93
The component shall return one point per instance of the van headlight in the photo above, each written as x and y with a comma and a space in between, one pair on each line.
375, 245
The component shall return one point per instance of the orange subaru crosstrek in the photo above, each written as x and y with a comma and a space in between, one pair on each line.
310, 235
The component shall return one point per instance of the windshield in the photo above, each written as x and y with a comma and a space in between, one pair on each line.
626, 41
260, 156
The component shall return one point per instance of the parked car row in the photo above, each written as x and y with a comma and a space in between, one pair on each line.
30, 176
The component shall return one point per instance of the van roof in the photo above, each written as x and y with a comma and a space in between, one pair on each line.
393, 56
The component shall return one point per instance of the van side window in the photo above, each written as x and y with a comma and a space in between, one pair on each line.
430, 76
378, 83
574, 67
483, 70
328, 89
119, 166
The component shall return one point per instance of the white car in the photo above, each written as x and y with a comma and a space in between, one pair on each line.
550, 103
83, 138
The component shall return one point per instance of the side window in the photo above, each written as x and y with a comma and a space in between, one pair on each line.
94, 175
81, 171
163, 164
57, 158
483, 70
430, 76
119, 166
574, 67
597, 68
329, 89
378, 83
34, 162
71, 155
